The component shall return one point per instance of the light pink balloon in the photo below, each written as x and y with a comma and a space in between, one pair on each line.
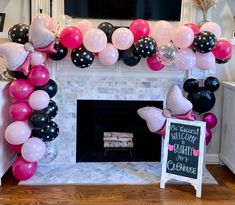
205, 61
109, 55
39, 100
94, 40
48, 22
17, 132
38, 58
186, 59
85, 25
122, 38
212, 27
33, 149
161, 32
182, 37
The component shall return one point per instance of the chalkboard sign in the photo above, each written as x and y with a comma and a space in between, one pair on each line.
184, 149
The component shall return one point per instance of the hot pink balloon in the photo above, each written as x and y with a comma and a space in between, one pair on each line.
33, 149
186, 59
205, 61
15, 148
208, 135
39, 75
20, 89
194, 28
140, 28
109, 55
161, 32
122, 38
182, 37
210, 119
212, 27
17, 132
154, 64
85, 25
223, 49
20, 111
71, 37
94, 40
39, 100
37, 58
24, 170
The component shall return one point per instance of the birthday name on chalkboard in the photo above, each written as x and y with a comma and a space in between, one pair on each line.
183, 150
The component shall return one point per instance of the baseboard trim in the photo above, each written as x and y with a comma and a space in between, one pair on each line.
212, 159
227, 162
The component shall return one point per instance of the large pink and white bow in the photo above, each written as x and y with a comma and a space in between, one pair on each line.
177, 106
41, 38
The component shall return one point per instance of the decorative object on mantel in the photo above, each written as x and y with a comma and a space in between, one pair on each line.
204, 5
2, 20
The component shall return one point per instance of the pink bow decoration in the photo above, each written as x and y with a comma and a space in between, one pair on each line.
177, 106
41, 38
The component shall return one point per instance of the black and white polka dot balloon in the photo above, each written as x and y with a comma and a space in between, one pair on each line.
81, 57
19, 33
146, 47
204, 42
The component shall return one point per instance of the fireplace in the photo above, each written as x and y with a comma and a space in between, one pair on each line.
112, 131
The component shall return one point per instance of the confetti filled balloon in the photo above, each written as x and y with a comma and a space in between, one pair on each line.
146, 47
50, 153
61, 22
167, 53
19, 33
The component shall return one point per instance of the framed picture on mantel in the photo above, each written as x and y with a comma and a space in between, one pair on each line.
2, 19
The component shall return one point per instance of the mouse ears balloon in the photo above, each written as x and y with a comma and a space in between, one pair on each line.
177, 106
41, 38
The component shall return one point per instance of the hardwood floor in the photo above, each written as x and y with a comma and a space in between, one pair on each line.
222, 194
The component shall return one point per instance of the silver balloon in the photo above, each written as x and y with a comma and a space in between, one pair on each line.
167, 54
50, 153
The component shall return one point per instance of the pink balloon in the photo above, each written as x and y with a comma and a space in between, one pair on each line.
154, 64
186, 59
109, 55
85, 25
140, 28
39, 75
37, 58
20, 111
39, 100
210, 119
17, 132
20, 89
161, 32
33, 149
15, 148
24, 170
47, 20
212, 27
194, 28
205, 61
122, 38
94, 40
182, 37
208, 135
223, 49
71, 37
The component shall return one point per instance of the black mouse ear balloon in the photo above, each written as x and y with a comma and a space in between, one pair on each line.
108, 29
19, 33
212, 84
61, 51
191, 85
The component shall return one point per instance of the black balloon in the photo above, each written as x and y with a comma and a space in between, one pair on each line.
204, 42
38, 120
191, 85
17, 74
108, 29
48, 132
218, 61
81, 57
212, 84
19, 33
51, 88
51, 110
146, 47
130, 56
61, 51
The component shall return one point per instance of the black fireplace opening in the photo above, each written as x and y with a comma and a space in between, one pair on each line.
112, 131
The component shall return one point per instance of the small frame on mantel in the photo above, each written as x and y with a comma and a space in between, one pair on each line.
2, 20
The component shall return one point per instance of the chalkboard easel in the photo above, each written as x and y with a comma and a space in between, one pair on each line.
183, 154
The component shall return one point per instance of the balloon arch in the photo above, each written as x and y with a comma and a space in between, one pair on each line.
33, 111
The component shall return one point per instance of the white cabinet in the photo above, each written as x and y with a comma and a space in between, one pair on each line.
227, 154
6, 156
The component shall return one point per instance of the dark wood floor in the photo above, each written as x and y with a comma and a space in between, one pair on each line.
222, 194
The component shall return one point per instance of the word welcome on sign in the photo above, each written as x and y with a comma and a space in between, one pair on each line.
184, 149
